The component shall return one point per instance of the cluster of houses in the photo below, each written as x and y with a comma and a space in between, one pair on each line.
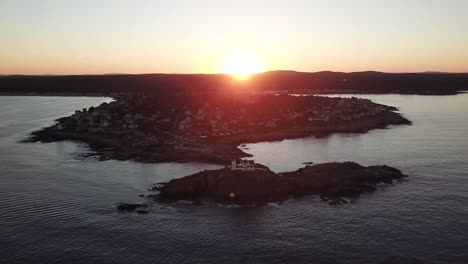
117, 119
345, 109
212, 121
127, 117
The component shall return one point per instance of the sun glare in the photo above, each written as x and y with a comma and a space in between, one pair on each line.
241, 66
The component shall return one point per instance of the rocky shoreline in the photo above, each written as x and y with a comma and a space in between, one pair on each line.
218, 151
380, 121
332, 182
153, 129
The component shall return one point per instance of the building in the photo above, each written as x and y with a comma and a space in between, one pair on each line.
242, 165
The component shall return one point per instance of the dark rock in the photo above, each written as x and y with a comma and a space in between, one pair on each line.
130, 206
197, 203
142, 212
331, 181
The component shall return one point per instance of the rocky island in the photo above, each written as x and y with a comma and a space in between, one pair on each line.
209, 128
258, 185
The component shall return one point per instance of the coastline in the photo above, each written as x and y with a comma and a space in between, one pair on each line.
334, 182
381, 121
217, 151
64, 94
83, 94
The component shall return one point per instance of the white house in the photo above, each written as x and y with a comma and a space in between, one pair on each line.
242, 165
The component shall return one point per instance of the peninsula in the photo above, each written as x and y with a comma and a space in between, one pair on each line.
183, 128
258, 185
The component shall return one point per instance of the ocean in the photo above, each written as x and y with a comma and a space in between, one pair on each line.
59, 206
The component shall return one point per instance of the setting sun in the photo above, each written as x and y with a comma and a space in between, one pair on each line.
242, 65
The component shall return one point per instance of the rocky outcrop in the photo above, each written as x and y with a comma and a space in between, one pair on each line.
331, 181
130, 207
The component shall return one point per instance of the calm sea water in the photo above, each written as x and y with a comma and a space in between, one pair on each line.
58, 207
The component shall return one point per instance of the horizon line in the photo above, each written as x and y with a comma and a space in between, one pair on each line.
220, 73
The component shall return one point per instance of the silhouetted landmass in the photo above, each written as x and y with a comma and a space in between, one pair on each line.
151, 128
296, 82
331, 181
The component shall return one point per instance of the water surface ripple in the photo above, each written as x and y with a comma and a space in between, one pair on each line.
56, 207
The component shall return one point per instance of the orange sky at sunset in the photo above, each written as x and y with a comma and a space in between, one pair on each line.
95, 37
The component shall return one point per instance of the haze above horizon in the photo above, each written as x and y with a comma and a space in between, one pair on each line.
98, 37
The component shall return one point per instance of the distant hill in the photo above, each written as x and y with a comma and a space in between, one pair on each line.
362, 82
291, 81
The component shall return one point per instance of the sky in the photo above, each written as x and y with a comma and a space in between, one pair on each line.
202, 36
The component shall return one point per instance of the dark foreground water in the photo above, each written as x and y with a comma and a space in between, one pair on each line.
57, 207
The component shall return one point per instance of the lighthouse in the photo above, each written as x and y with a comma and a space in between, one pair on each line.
242, 165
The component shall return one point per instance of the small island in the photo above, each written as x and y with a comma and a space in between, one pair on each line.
247, 183
210, 127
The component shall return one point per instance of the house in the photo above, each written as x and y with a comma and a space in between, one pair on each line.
242, 165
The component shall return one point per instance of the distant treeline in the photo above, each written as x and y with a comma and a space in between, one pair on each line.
318, 82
